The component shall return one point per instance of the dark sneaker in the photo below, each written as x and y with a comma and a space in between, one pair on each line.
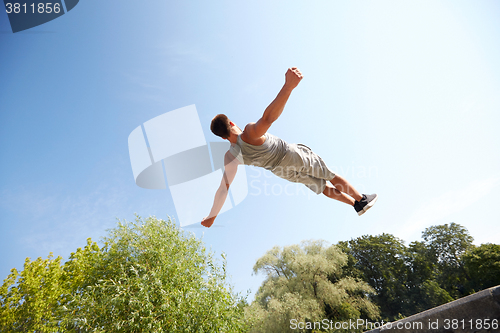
366, 203
358, 208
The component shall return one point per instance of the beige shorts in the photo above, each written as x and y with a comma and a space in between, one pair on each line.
301, 165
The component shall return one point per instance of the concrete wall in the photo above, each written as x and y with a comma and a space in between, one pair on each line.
479, 312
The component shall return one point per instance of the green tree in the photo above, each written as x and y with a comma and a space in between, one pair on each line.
381, 261
482, 265
299, 286
447, 243
423, 290
30, 300
149, 276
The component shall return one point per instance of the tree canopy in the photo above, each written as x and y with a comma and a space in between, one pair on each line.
148, 276
482, 265
381, 261
447, 243
30, 300
410, 279
298, 285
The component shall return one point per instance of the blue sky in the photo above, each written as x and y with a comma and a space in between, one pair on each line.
401, 98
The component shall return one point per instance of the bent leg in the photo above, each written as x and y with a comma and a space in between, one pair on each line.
333, 193
344, 186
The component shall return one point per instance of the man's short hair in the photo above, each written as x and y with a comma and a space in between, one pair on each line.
220, 126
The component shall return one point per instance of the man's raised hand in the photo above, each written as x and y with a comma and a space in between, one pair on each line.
293, 77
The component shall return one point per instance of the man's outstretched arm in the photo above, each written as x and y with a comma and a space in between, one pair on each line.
255, 130
231, 167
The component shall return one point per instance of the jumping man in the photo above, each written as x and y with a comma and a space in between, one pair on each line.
293, 162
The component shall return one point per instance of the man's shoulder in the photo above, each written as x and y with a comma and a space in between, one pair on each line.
248, 128
249, 131
233, 153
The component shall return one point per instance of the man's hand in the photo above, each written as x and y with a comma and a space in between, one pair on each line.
254, 131
293, 77
208, 221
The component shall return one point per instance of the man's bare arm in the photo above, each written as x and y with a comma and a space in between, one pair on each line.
231, 167
255, 130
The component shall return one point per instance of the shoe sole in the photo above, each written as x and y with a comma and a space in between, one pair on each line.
370, 204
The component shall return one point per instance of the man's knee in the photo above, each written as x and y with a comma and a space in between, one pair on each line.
328, 190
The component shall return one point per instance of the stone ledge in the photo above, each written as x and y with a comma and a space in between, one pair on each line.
472, 314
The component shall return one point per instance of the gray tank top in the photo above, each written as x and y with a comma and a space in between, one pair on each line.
268, 155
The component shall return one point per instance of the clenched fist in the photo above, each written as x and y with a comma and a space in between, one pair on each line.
293, 77
208, 221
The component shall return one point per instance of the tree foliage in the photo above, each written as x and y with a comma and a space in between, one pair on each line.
30, 300
410, 279
148, 277
423, 291
151, 276
447, 243
381, 261
482, 265
299, 286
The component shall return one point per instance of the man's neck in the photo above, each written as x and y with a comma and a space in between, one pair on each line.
233, 137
